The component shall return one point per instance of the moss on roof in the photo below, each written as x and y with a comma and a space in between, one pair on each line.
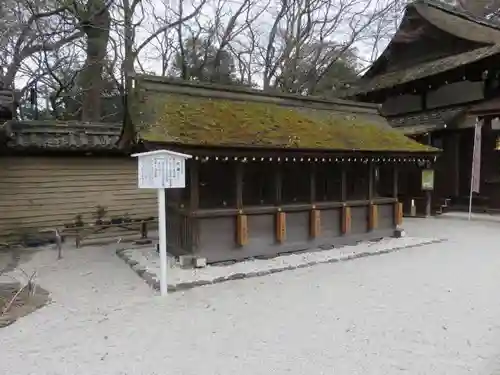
190, 120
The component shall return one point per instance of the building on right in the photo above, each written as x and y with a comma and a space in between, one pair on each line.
437, 81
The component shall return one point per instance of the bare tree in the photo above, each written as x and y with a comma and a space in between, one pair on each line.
29, 28
206, 50
315, 35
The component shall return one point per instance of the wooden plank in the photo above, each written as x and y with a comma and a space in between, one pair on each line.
40, 192
242, 230
280, 227
398, 213
346, 220
373, 217
315, 223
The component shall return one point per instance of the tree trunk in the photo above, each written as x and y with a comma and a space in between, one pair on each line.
127, 135
97, 33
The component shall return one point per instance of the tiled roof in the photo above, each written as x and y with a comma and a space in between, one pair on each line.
458, 22
483, 38
420, 71
437, 118
52, 135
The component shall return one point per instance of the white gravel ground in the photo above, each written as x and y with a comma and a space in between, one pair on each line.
427, 310
147, 259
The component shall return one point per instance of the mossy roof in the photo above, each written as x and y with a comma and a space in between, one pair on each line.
203, 121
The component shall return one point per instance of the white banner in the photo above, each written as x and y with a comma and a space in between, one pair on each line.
476, 159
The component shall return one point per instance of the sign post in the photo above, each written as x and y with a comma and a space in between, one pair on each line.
428, 186
162, 170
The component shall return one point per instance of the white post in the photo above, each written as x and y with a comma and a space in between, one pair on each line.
162, 229
472, 171
161, 170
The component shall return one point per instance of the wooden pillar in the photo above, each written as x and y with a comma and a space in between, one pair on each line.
194, 202
280, 216
194, 185
280, 227
241, 230
371, 180
241, 219
278, 184
344, 183
398, 213
315, 216
315, 223
346, 220
239, 185
373, 217
395, 181
312, 179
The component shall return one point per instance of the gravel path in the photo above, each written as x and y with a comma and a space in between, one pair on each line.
427, 310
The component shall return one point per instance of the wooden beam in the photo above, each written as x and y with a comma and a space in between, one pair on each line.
373, 217
280, 227
315, 223
395, 181
343, 183
239, 185
278, 184
312, 182
194, 202
194, 185
398, 213
346, 220
241, 230
371, 180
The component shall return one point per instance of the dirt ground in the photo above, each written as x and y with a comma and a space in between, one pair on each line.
13, 307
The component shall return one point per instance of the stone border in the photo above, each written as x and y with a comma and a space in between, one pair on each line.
152, 281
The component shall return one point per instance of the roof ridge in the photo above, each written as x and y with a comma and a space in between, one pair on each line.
458, 12
251, 91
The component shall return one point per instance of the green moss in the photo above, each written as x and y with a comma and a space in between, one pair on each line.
215, 122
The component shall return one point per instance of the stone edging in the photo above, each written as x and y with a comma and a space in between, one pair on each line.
151, 280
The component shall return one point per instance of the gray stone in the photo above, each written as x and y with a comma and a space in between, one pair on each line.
219, 279
148, 277
236, 276
138, 267
201, 282
258, 273
186, 261
333, 260
170, 288
184, 286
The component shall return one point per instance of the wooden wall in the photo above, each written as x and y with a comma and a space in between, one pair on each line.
47, 192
